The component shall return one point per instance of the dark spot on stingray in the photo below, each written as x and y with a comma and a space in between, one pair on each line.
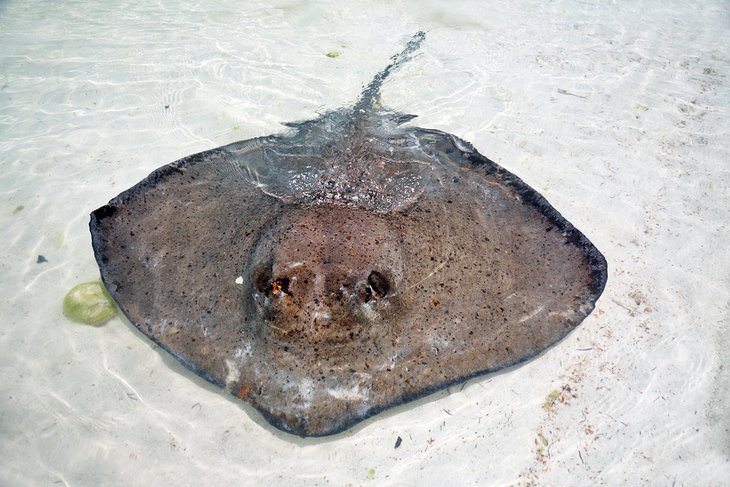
104, 212
378, 284
398, 441
237, 261
41, 259
262, 279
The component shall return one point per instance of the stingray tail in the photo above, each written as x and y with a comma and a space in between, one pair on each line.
371, 93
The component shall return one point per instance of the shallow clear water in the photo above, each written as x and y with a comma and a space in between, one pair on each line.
618, 114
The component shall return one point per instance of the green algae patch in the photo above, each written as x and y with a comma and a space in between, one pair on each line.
550, 399
89, 303
333, 54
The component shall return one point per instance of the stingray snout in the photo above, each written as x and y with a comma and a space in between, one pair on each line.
330, 302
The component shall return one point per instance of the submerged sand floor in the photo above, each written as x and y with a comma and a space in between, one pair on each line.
617, 114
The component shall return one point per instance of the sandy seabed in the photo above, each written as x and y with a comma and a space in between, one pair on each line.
616, 113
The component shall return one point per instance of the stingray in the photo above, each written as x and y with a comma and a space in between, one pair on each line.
346, 266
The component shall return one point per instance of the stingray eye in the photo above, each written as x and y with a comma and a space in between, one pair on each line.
378, 285
280, 285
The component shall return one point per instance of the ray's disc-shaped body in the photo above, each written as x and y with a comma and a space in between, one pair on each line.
344, 268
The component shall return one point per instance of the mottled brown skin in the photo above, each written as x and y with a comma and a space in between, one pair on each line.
352, 265
321, 314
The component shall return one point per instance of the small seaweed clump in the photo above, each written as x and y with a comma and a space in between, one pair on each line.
89, 303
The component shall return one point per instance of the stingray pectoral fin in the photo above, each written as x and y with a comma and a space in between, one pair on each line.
172, 250
495, 276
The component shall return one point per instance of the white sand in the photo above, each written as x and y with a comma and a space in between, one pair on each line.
618, 114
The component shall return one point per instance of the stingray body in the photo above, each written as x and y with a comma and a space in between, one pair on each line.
346, 267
